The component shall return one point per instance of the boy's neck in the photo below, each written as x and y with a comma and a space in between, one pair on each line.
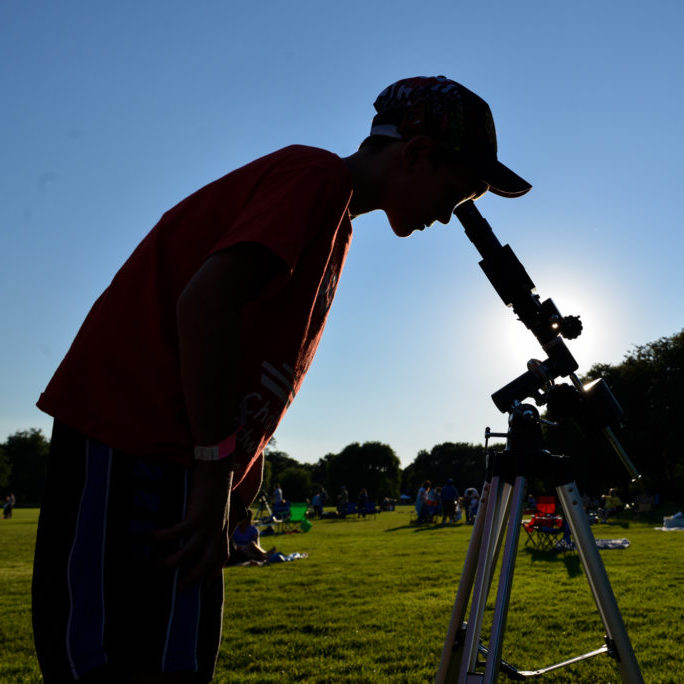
369, 172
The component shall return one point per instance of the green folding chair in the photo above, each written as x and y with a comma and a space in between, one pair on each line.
297, 518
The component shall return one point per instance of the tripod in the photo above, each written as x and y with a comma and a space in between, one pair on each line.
264, 512
501, 504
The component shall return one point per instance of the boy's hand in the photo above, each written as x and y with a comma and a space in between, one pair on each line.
203, 534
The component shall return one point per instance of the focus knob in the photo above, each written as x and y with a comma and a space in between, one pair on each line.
571, 327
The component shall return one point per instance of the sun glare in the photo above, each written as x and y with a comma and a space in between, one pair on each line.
513, 345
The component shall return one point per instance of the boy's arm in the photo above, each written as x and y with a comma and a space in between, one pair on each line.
208, 313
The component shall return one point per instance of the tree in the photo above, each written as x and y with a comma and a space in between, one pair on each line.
319, 471
461, 461
275, 463
373, 466
296, 483
649, 385
5, 468
27, 451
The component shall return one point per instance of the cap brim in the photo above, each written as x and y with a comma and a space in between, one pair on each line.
502, 181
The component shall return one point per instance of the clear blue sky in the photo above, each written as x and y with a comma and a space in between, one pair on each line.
112, 112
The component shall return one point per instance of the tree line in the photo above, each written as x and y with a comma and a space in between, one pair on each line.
375, 467
23, 466
648, 383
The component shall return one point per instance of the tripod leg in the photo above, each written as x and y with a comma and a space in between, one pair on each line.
505, 580
453, 644
448, 665
599, 583
495, 515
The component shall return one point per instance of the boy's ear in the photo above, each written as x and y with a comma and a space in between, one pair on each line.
416, 148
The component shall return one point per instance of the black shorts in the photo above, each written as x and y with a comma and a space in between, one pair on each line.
99, 603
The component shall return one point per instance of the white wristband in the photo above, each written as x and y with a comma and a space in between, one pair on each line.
217, 452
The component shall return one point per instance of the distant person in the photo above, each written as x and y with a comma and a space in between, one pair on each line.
245, 532
421, 499
449, 496
610, 504
317, 504
471, 502
342, 501
246, 539
278, 496
433, 503
188, 361
363, 502
8, 506
280, 505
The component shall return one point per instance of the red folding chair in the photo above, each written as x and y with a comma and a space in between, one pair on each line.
530, 531
544, 527
548, 529
546, 505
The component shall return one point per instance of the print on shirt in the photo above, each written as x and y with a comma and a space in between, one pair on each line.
259, 412
280, 383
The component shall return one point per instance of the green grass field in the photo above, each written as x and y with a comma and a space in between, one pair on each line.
373, 600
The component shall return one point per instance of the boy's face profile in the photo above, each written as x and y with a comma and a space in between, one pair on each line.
422, 190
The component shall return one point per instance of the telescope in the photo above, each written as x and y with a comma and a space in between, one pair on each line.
593, 404
504, 490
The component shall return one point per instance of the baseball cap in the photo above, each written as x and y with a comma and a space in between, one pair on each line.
455, 117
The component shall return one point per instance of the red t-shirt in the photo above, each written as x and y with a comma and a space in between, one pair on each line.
120, 380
